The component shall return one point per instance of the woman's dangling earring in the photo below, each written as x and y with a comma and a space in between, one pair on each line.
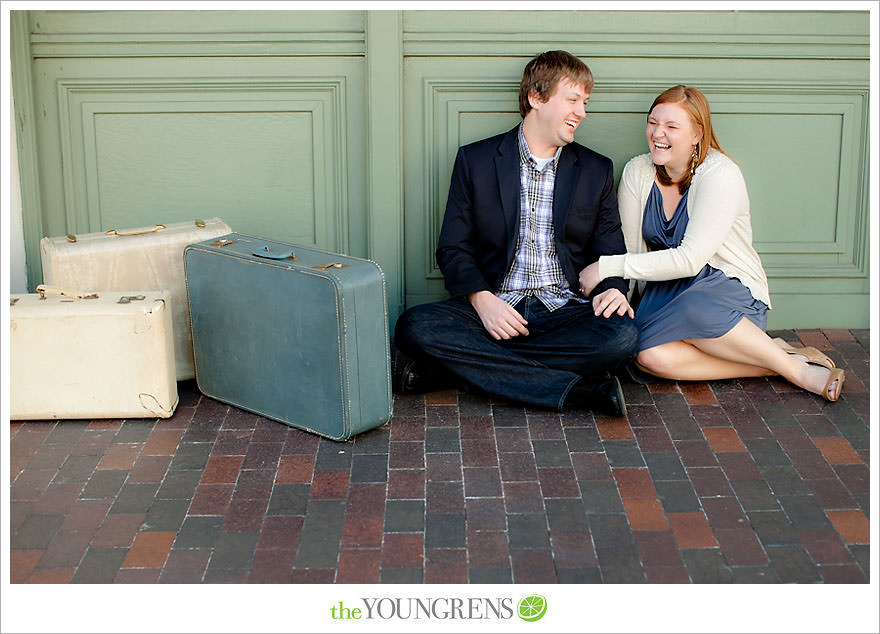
694, 156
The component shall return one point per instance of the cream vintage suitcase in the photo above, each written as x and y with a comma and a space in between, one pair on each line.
148, 258
91, 355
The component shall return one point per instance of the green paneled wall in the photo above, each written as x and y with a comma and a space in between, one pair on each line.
338, 128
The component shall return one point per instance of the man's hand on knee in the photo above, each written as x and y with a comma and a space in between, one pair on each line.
500, 319
611, 301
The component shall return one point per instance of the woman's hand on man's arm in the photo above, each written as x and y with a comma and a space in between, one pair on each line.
589, 278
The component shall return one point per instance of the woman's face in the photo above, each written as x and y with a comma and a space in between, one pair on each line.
672, 135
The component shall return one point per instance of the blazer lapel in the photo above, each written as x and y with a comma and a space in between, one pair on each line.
567, 172
507, 171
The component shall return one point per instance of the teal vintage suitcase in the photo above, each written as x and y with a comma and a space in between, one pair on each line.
292, 333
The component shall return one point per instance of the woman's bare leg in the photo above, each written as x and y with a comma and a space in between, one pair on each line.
745, 350
682, 361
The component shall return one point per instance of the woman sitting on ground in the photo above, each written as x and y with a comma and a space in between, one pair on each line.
701, 293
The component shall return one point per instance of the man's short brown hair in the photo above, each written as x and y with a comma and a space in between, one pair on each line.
543, 73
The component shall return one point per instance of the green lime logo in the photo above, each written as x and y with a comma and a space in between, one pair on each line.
532, 608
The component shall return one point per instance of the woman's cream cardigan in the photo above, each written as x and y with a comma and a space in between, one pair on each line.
719, 231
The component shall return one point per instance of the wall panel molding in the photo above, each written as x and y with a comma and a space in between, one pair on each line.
769, 171
839, 253
385, 158
445, 103
196, 33
800, 141
388, 96
26, 140
82, 103
640, 34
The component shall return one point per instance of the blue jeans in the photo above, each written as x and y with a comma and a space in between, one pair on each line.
562, 348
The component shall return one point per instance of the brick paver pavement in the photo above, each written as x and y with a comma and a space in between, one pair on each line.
748, 481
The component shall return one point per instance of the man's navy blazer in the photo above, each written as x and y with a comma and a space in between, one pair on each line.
481, 225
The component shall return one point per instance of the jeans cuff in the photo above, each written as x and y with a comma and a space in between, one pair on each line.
574, 382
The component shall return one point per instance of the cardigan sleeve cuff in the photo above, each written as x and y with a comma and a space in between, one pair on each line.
611, 266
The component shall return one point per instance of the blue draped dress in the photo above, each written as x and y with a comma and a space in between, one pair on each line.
704, 306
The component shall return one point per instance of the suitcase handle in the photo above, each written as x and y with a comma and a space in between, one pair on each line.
135, 232
265, 252
44, 289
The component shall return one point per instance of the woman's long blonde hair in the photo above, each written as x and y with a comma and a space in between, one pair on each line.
696, 104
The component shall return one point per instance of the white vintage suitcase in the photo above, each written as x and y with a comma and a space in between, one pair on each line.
148, 258
98, 355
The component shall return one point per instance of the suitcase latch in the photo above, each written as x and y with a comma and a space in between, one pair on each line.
223, 242
126, 299
332, 265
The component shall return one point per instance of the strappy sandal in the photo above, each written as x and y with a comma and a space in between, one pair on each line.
834, 375
811, 354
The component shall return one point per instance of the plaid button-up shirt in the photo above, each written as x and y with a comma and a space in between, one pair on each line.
535, 270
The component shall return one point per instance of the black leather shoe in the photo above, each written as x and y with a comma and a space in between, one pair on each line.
403, 375
604, 396
411, 377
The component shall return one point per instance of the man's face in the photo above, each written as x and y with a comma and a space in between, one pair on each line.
559, 116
